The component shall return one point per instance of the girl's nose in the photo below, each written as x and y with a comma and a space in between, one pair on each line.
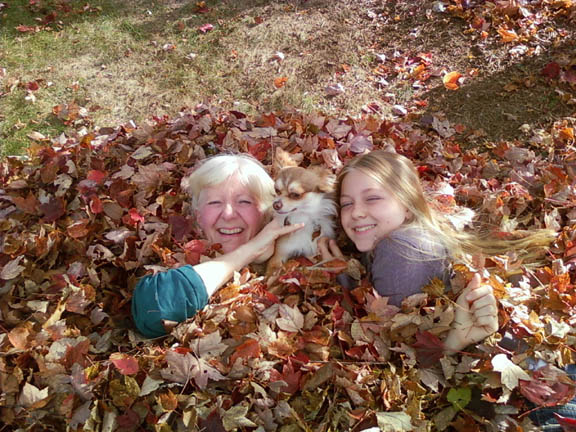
358, 211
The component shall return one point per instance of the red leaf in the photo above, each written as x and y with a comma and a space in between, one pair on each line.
53, 210
133, 217
129, 420
429, 348
96, 205
97, 176
550, 386
181, 226
125, 364
32, 86
551, 70
289, 376
249, 349
568, 424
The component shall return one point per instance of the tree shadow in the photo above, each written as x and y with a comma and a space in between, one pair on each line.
55, 15
500, 103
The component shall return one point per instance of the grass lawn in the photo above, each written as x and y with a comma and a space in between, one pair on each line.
68, 65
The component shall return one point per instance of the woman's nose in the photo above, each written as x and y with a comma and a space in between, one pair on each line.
228, 210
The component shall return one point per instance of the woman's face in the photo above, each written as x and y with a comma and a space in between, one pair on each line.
228, 214
368, 211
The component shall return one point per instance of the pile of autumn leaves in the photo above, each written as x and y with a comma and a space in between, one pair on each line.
84, 218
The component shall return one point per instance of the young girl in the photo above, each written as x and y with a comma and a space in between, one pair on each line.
383, 210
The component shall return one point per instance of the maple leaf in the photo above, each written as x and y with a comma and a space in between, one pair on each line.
127, 365
452, 80
209, 346
510, 372
291, 319
429, 348
248, 349
184, 367
394, 421
32, 395
235, 417
12, 269
549, 386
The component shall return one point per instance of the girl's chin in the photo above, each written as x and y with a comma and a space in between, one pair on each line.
364, 246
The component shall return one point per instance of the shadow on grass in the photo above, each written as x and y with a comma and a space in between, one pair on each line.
500, 103
54, 15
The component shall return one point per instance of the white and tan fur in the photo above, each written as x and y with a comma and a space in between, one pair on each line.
304, 195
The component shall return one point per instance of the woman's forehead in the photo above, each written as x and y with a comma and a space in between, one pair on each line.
230, 187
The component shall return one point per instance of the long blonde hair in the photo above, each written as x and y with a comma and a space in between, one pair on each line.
398, 175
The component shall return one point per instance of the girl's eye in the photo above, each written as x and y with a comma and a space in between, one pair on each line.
294, 195
374, 198
345, 204
213, 202
245, 202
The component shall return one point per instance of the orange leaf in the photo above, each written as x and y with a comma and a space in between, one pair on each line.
567, 133
280, 81
249, 349
450, 80
507, 35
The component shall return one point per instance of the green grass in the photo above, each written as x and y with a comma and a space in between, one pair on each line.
116, 62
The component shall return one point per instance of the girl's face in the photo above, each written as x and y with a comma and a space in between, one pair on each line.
368, 212
228, 214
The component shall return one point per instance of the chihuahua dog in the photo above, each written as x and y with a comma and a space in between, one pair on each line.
304, 195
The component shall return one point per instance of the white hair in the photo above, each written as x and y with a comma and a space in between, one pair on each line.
217, 169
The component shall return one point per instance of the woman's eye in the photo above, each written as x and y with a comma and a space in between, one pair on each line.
213, 202
373, 198
245, 202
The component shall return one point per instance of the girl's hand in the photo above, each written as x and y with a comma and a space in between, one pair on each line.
263, 243
476, 316
329, 250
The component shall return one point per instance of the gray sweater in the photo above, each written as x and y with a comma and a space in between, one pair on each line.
405, 261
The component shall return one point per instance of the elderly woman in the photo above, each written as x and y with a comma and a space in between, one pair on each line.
231, 195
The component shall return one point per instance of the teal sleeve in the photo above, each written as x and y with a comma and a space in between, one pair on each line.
174, 295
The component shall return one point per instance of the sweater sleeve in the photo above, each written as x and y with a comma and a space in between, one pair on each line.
402, 265
174, 295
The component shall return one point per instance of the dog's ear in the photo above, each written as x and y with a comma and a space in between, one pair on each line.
326, 180
284, 159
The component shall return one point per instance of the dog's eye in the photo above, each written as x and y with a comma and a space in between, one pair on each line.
294, 195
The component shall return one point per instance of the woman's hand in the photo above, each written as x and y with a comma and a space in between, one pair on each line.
262, 245
476, 316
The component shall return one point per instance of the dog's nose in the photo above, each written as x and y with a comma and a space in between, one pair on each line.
277, 205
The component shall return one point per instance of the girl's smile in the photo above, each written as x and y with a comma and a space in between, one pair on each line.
369, 212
